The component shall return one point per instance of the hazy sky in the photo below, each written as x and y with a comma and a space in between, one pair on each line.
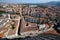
27, 1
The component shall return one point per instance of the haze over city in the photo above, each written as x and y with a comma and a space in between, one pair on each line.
26, 1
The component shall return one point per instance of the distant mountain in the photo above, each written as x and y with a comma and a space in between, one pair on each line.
53, 3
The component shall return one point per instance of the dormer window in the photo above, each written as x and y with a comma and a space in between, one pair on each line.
27, 24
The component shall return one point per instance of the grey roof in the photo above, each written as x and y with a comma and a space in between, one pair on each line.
31, 20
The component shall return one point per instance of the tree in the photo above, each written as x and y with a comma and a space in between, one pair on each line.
12, 26
42, 6
38, 22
